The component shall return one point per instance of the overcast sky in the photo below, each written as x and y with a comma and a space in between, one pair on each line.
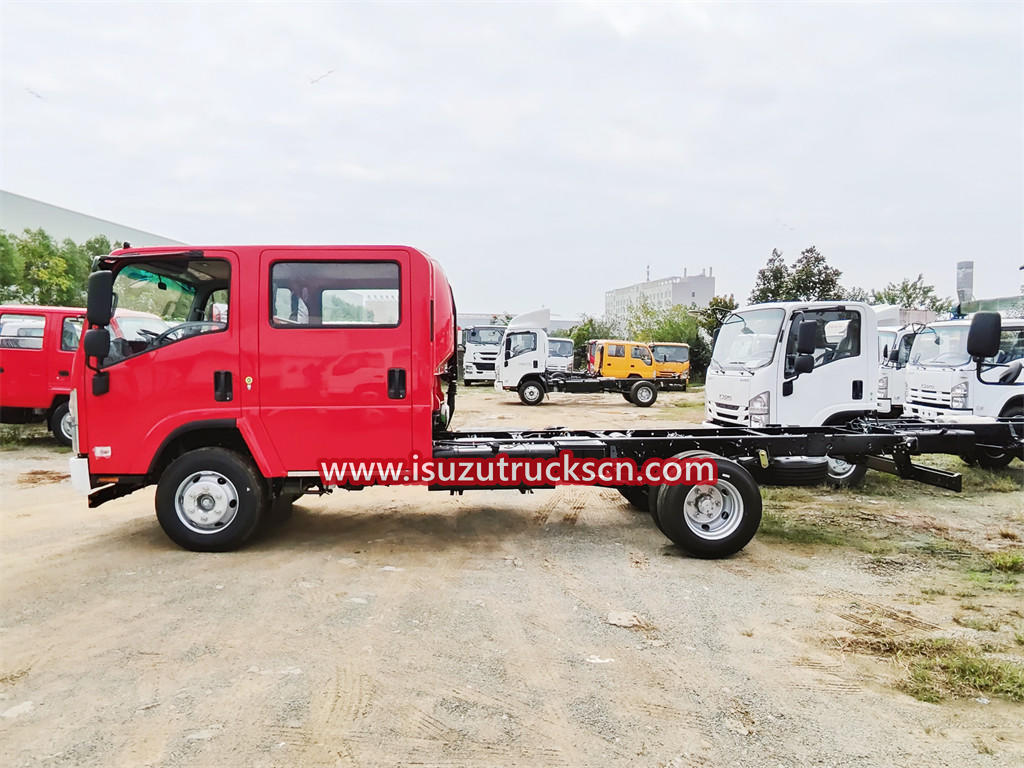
543, 153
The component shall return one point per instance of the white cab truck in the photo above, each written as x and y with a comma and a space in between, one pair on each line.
796, 364
560, 354
891, 391
523, 367
945, 384
481, 352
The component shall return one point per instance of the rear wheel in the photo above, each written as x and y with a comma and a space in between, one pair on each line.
210, 500
643, 394
654, 490
991, 458
531, 393
60, 424
712, 521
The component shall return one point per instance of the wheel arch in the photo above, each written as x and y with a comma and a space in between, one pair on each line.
208, 433
1017, 401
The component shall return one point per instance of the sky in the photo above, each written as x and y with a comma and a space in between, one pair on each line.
543, 153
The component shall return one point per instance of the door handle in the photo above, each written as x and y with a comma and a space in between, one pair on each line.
222, 391
858, 389
63, 373
396, 383
534, 363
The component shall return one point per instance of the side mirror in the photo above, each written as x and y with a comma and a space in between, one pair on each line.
804, 364
885, 352
99, 305
983, 336
806, 337
97, 343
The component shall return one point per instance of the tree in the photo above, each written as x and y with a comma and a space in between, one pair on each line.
809, 279
812, 279
912, 294
711, 317
676, 324
857, 294
588, 328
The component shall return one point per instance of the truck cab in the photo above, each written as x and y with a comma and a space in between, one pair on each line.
943, 382
560, 355
795, 364
891, 391
37, 349
671, 362
481, 344
619, 359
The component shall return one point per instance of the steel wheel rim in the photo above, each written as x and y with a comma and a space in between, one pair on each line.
532, 392
206, 502
643, 394
713, 512
66, 426
839, 467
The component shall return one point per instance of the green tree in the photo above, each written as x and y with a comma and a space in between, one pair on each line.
47, 278
912, 294
12, 268
857, 294
677, 324
772, 281
711, 317
809, 279
588, 328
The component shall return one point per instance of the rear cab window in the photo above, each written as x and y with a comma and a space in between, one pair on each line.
21, 331
335, 294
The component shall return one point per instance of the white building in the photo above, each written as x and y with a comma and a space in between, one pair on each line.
661, 294
18, 213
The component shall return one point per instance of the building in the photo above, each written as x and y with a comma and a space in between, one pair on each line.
18, 213
660, 294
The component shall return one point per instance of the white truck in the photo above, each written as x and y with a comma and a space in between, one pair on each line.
560, 354
891, 392
796, 364
945, 384
481, 344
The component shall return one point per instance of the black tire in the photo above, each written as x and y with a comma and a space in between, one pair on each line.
531, 392
60, 424
990, 458
685, 384
738, 506
226, 477
643, 394
627, 398
636, 495
843, 474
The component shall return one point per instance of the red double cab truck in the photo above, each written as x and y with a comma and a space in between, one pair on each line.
37, 350
269, 359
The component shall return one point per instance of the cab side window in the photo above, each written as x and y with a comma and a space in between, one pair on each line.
1011, 345
903, 355
335, 294
641, 354
616, 350
837, 337
519, 344
21, 331
70, 333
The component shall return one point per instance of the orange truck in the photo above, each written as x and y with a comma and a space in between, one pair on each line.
618, 359
671, 363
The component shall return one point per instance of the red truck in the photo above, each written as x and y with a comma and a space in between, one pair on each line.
349, 353
37, 350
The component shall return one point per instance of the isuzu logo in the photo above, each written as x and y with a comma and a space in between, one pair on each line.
725, 397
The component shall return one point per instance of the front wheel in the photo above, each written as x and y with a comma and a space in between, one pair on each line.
643, 394
60, 424
210, 500
531, 393
712, 521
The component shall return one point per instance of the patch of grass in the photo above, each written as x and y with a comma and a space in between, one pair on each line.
932, 591
937, 668
1008, 534
1008, 561
980, 624
1018, 638
778, 525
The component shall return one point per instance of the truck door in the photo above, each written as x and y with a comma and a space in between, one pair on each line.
335, 346
61, 351
614, 363
840, 381
640, 361
521, 356
23, 379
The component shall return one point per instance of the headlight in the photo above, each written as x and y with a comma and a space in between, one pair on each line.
958, 395
758, 409
883, 387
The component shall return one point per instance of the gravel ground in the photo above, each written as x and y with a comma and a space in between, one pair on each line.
401, 627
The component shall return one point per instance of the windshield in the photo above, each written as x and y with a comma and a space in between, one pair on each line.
164, 301
559, 348
670, 353
484, 335
747, 339
940, 346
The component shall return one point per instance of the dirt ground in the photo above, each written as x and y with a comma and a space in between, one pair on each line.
402, 627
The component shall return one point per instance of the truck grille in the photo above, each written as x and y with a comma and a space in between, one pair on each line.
729, 413
485, 366
932, 397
